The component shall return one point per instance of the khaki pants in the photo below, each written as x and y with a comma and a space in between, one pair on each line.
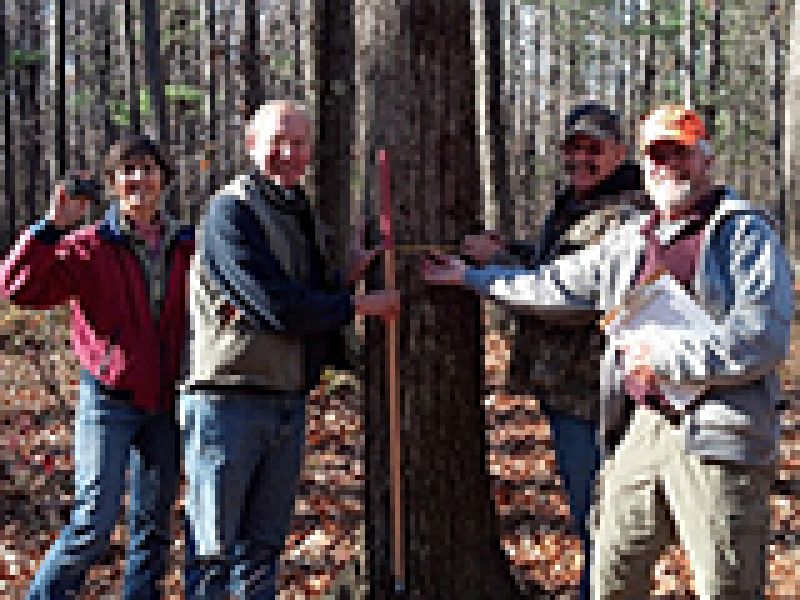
651, 489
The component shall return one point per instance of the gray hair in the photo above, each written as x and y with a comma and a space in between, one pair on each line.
269, 113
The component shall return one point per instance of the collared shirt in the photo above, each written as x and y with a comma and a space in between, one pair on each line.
152, 260
673, 246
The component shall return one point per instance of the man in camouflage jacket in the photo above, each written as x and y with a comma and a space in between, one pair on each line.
557, 360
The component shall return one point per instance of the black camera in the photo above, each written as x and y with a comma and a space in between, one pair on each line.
76, 187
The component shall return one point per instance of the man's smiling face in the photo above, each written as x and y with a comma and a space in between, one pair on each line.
588, 160
673, 172
279, 142
138, 183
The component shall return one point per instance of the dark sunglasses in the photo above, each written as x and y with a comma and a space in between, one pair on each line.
663, 152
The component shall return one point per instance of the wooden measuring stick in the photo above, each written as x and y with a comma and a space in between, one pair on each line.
395, 466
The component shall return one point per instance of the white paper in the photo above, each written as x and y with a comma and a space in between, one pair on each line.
653, 314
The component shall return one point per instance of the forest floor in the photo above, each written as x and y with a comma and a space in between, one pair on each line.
37, 396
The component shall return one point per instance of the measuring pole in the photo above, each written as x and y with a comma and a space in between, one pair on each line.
395, 466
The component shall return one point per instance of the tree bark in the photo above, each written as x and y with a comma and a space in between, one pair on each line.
31, 112
8, 158
296, 26
778, 86
650, 59
516, 132
209, 54
60, 163
791, 123
251, 59
494, 115
228, 90
153, 69
689, 45
333, 100
420, 75
715, 67
130, 56
109, 127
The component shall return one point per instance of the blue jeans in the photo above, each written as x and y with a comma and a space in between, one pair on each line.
578, 458
243, 455
110, 436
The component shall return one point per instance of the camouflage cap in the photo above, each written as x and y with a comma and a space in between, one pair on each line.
594, 119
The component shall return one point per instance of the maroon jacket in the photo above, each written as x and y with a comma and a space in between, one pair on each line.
114, 334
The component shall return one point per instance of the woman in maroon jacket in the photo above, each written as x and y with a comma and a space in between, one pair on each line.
124, 278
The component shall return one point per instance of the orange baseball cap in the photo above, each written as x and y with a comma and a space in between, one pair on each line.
672, 122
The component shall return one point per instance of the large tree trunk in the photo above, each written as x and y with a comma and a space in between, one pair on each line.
420, 78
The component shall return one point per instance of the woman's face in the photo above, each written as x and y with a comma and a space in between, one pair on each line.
138, 184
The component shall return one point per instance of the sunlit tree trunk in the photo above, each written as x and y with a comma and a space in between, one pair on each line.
421, 79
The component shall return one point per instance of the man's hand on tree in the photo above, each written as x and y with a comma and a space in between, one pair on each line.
482, 247
442, 269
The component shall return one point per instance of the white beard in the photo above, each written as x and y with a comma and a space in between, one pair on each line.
668, 194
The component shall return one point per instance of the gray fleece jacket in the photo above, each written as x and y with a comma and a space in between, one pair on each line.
742, 279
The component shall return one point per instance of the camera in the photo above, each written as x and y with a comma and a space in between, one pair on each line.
77, 186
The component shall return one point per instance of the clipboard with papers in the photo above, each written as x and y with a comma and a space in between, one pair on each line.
651, 312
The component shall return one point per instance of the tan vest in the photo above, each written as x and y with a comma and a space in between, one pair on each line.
227, 349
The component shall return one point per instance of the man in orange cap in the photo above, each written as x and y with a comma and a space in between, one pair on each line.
676, 157
702, 471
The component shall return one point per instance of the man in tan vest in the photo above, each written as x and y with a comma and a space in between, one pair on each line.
263, 304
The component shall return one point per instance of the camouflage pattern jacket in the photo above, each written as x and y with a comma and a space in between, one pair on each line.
559, 360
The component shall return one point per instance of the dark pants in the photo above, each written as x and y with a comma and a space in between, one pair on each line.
578, 458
